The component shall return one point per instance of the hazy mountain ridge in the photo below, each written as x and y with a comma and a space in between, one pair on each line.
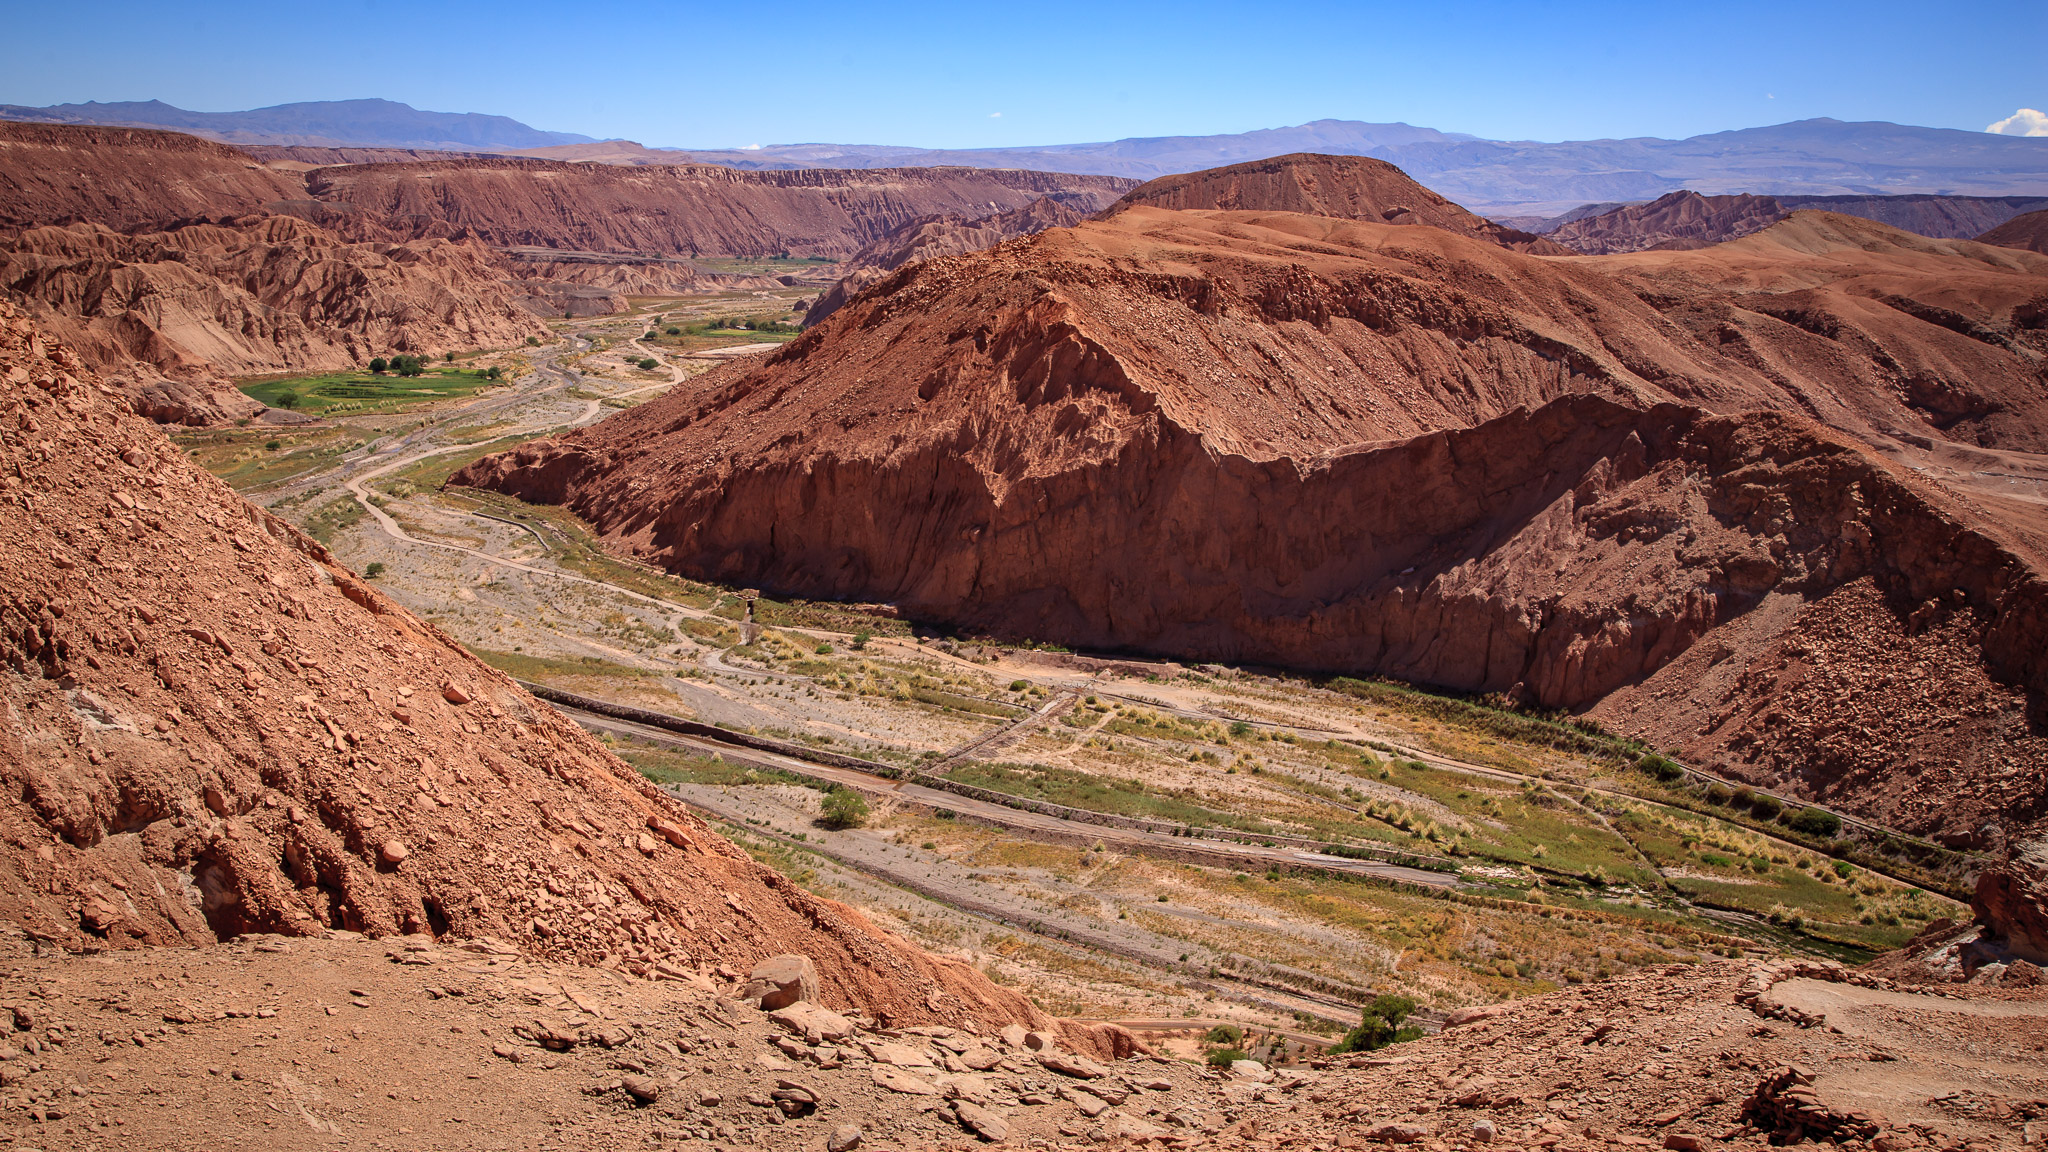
1817, 157
326, 123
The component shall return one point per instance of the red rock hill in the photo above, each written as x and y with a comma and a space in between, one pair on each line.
1363, 447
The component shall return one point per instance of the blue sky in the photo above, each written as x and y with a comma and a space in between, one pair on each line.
956, 75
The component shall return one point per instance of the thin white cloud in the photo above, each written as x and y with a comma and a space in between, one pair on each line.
750, 147
2025, 122
995, 115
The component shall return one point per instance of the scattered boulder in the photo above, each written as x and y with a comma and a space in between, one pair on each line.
1013, 1035
644, 1090
1485, 1132
844, 1138
816, 1025
1251, 1070
1398, 1133
1079, 1067
981, 1121
1132, 1128
1473, 1015
904, 1082
781, 981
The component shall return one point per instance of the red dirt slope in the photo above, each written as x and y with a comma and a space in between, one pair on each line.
208, 727
1361, 447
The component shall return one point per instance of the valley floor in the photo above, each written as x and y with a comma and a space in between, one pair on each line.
1560, 869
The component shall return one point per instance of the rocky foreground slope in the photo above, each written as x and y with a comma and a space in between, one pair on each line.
296, 1043
209, 728
1362, 447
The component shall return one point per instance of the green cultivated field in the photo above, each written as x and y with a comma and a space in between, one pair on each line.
338, 393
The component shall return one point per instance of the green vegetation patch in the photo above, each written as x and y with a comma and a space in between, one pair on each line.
341, 393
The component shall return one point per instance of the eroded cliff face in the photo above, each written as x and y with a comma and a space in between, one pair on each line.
685, 210
172, 316
1369, 448
209, 727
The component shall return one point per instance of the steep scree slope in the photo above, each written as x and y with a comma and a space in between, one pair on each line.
208, 727
1362, 447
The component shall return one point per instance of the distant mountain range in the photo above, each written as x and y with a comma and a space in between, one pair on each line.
1820, 157
321, 123
1805, 158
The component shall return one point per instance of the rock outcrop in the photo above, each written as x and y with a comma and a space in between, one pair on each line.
2011, 903
1678, 221
171, 316
208, 727
1369, 448
1340, 187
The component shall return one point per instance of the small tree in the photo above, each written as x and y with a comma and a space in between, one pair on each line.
1660, 767
493, 373
374, 569
1225, 1057
287, 399
1816, 822
1228, 1035
844, 808
1381, 1025
861, 638
649, 364
379, 364
448, 357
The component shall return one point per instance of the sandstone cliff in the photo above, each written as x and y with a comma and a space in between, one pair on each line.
209, 727
1361, 447
171, 316
686, 210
